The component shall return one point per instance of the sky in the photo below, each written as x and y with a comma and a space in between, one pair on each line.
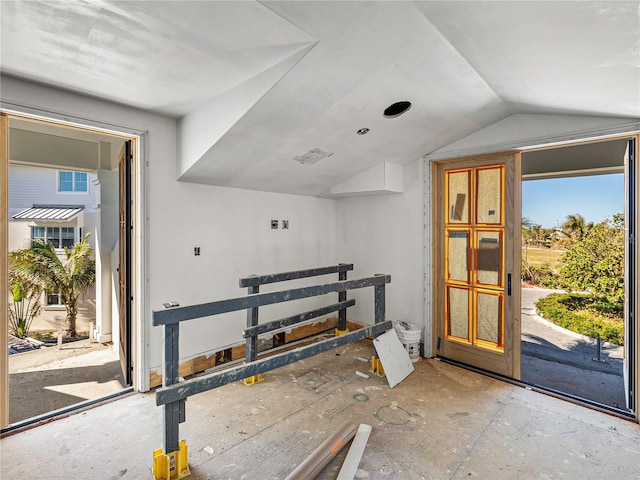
548, 202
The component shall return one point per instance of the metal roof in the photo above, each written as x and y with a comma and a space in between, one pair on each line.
59, 213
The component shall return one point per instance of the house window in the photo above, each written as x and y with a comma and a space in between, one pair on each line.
59, 237
53, 299
72, 181
37, 233
53, 236
66, 237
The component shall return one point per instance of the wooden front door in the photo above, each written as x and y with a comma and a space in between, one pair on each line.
477, 241
124, 265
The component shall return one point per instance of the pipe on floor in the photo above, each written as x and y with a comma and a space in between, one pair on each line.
321, 456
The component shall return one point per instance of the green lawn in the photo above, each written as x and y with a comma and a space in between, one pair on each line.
539, 256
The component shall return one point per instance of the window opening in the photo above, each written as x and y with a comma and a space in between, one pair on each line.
72, 181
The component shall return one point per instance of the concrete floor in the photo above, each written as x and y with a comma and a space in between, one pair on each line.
442, 422
48, 379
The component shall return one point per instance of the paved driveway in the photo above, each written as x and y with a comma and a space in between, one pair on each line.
556, 358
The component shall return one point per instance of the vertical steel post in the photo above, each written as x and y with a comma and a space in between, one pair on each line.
174, 411
251, 354
379, 302
379, 316
342, 297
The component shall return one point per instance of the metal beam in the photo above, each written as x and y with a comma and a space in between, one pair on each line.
251, 351
179, 314
379, 299
295, 319
342, 296
283, 277
180, 391
170, 376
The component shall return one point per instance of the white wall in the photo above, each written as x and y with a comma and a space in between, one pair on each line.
231, 226
383, 234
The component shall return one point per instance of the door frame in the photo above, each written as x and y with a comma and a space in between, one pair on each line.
624, 131
140, 333
4, 270
632, 271
125, 244
489, 360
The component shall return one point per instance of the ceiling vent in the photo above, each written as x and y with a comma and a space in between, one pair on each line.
312, 156
397, 109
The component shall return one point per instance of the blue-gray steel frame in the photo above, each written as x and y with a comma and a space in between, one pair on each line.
173, 394
253, 283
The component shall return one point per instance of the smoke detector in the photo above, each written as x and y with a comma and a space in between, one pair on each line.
312, 156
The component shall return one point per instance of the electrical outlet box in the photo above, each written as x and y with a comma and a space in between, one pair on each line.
196, 251
274, 224
285, 224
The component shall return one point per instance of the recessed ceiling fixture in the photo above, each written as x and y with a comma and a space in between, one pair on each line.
312, 156
397, 109
363, 131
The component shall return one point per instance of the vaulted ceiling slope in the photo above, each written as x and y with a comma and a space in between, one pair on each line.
255, 84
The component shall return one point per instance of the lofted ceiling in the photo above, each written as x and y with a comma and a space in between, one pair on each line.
255, 84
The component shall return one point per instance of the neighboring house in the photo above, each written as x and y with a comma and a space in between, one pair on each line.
56, 206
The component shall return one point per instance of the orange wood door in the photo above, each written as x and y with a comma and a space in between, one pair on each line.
477, 288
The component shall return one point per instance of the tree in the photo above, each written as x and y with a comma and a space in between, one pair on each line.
24, 304
70, 276
596, 262
576, 227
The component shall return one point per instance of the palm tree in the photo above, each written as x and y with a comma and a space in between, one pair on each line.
70, 276
575, 226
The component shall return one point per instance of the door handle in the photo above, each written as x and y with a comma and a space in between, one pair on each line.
509, 284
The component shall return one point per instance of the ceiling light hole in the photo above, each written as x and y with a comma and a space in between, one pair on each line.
397, 109
363, 131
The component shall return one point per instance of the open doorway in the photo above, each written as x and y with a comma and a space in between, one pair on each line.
574, 319
64, 190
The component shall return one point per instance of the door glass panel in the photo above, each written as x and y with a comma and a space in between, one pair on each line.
458, 308
458, 201
489, 193
489, 317
489, 257
458, 256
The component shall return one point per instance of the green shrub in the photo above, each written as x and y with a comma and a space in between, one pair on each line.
594, 262
584, 314
542, 276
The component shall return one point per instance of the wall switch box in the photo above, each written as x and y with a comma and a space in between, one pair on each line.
285, 224
274, 224
196, 251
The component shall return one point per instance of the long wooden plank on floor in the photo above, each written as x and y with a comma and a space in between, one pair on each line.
351, 462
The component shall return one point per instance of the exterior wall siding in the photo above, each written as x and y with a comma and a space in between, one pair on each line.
32, 185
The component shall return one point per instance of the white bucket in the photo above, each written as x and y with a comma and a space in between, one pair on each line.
409, 335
